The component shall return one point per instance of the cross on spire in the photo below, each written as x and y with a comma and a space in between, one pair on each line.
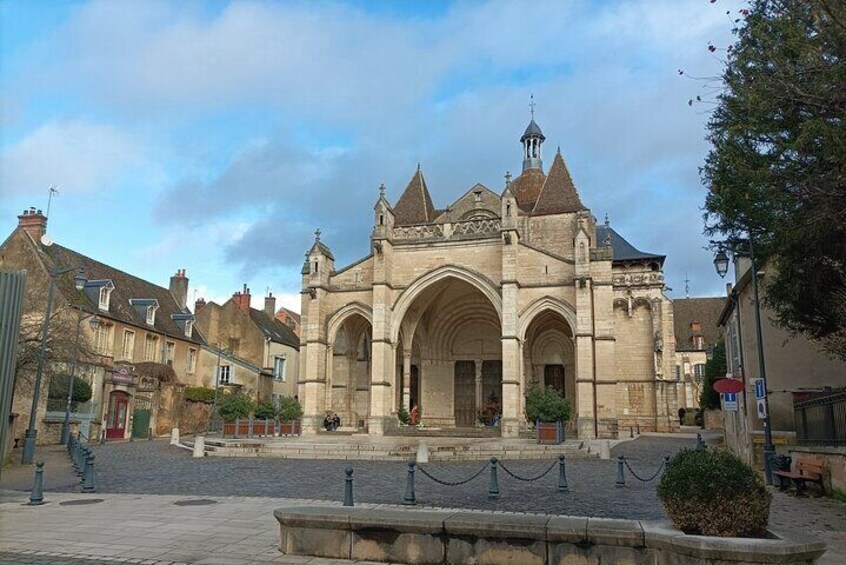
382, 189
607, 221
686, 285
317, 234
507, 178
532, 105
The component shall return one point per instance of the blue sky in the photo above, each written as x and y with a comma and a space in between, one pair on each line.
216, 136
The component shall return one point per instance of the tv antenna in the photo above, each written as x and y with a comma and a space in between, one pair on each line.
54, 189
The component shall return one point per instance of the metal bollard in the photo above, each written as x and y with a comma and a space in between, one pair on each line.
631, 431
77, 458
348, 487
88, 474
666, 461
409, 497
638, 428
36, 498
493, 488
621, 475
699, 443
562, 475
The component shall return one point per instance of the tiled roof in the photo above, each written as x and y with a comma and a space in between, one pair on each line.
558, 194
706, 311
291, 314
274, 329
527, 187
622, 249
415, 205
126, 287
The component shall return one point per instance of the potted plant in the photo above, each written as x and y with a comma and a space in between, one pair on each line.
289, 412
549, 411
233, 407
712, 492
265, 412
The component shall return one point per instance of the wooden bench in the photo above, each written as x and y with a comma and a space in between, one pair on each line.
807, 470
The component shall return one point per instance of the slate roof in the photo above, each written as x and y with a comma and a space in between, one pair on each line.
622, 249
415, 205
274, 329
527, 187
532, 129
706, 311
558, 194
126, 287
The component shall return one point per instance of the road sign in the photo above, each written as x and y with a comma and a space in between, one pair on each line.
762, 408
728, 386
730, 401
760, 391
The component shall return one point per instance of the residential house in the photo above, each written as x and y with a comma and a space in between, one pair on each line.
697, 332
290, 318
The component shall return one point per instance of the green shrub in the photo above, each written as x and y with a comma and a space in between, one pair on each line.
403, 416
59, 388
713, 493
234, 405
199, 394
547, 405
289, 409
264, 411
715, 369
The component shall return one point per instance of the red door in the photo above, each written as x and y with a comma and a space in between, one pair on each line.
118, 414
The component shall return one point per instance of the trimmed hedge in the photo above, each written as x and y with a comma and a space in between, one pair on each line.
264, 411
199, 394
234, 405
712, 492
59, 388
547, 405
289, 409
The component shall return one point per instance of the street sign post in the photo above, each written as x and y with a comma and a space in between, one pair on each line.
730, 401
760, 389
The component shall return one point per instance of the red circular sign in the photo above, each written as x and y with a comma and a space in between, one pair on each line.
728, 386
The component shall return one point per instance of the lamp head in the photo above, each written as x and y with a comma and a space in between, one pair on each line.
79, 280
721, 263
94, 322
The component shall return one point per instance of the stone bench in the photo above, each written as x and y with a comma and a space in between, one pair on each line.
432, 536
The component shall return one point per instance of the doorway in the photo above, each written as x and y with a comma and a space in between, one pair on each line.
553, 377
117, 416
465, 394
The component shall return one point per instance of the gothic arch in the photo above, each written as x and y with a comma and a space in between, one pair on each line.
413, 291
337, 319
546, 303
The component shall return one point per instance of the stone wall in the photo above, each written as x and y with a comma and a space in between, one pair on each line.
194, 417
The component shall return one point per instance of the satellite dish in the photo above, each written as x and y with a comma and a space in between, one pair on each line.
46, 240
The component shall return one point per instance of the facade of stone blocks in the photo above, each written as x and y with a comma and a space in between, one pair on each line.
459, 309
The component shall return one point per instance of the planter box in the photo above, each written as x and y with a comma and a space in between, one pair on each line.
549, 433
261, 428
290, 428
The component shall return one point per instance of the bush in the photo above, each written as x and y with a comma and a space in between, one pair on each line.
59, 388
264, 411
715, 369
199, 394
234, 405
289, 409
713, 493
403, 416
547, 405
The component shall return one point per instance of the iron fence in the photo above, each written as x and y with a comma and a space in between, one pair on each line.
820, 418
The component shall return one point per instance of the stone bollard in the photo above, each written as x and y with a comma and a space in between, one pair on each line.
422, 452
493, 487
621, 475
631, 431
103, 437
88, 474
36, 498
638, 428
348, 487
605, 449
562, 475
150, 435
199, 446
174, 436
409, 497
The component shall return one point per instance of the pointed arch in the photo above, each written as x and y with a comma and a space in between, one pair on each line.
408, 296
542, 304
340, 315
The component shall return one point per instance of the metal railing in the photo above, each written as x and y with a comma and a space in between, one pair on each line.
820, 418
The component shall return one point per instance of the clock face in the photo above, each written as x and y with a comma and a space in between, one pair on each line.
46, 240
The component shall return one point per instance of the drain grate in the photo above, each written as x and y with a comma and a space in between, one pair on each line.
195, 502
81, 502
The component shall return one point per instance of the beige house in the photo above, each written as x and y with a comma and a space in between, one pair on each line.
260, 354
499, 291
695, 321
794, 365
145, 347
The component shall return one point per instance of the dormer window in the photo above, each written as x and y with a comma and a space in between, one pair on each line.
99, 292
189, 326
185, 321
146, 309
151, 314
105, 294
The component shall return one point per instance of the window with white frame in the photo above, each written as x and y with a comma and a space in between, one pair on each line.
151, 314
699, 371
151, 346
105, 295
225, 374
279, 369
170, 349
101, 339
189, 325
192, 360
128, 348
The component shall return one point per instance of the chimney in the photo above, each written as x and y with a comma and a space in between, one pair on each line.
33, 222
270, 305
198, 304
179, 288
242, 299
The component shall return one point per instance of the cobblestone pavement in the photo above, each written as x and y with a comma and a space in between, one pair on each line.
154, 467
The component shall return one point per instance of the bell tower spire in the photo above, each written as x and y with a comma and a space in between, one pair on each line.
532, 141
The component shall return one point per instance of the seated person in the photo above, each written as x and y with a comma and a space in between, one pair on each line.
328, 422
336, 421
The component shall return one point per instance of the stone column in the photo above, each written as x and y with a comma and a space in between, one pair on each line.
478, 363
406, 380
330, 366
352, 383
383, 360
511, 392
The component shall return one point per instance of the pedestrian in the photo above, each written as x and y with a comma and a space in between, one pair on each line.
414, 416
682, 412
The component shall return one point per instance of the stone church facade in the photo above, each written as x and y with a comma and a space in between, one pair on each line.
457, 308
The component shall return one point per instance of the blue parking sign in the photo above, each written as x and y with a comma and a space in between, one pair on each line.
730, 401
760, 391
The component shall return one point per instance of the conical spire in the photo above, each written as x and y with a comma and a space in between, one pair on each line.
415, 205
558, 195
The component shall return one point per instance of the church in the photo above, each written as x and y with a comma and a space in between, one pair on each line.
502, 290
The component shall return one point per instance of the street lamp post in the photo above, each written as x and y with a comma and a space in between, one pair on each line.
94, 321
32, 432
721, 264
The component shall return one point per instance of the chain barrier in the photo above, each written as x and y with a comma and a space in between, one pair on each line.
641, 479
528, 479
452, 484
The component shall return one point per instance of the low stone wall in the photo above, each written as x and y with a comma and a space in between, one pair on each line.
416, 536
835, 461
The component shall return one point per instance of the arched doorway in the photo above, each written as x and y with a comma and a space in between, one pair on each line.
118, 415
348, 385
